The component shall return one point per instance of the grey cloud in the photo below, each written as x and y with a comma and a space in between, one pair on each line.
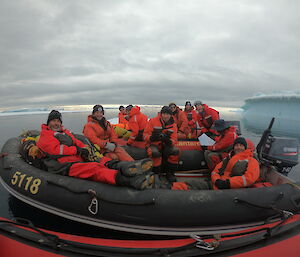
73, 52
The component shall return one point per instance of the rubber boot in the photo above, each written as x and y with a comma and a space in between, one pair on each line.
170, 169
139, 182
161, 183
131, 168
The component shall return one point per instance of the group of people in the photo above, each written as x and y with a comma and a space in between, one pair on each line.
67, 155
191, 122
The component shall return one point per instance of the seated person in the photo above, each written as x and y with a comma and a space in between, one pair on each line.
223, 145
161, 137
34, 156
191, 116
100, 132
206, 117
240, 169
181, 121
60, 145
122, 116
137, 123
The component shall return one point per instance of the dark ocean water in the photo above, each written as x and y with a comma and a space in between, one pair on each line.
11, 126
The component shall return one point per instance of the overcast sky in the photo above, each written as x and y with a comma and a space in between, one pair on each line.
149, 52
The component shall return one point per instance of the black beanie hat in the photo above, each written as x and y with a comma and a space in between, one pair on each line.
166, 109
129, 107
54, 115
188, 103
97, 108
242, 141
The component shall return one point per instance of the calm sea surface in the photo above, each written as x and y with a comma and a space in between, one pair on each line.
12, 126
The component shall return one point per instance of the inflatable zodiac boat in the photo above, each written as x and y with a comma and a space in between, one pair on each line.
161, 211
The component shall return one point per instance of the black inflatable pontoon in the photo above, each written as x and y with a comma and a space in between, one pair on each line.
157, 211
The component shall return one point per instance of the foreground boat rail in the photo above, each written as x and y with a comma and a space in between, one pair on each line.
62, 244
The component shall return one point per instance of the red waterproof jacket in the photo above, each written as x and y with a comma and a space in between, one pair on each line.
249, 174
207, 118
137, 123
122, 119
158, 123
224, 141
181, 120
97, 135
50, 144
192, 117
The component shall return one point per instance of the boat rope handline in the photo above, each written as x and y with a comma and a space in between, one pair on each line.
92, 193
284, 214
294, 185
57, 243
210, 246
53, 240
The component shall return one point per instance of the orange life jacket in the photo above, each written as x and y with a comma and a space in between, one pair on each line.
248, 176
97, 134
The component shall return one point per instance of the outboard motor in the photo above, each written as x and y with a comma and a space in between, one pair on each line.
278, 151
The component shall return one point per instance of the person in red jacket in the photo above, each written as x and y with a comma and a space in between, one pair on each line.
206, 117
60, 146
240, 169
181, 121
223, 143
100, 132
137, 123
123, 116
161, 137
192, 118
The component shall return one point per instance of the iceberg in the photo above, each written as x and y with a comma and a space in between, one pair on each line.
259, 110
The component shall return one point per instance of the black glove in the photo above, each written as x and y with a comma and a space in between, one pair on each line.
83, 152
165, 138
155, 136
222, 184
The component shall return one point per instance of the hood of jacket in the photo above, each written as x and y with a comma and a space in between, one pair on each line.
245, 154
134, 111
